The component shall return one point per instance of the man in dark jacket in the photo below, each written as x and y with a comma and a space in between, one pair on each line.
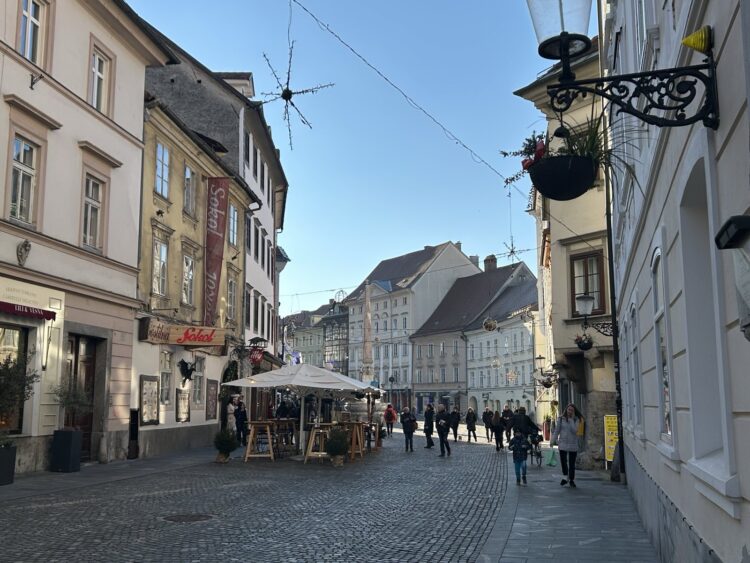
429, 425
487, 420
523, 423
455, 418
507, 415
443, 423
408, 425
240, 418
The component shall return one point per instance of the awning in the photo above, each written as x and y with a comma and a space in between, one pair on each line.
26, 311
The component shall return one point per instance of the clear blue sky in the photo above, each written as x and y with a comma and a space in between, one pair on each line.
376, 178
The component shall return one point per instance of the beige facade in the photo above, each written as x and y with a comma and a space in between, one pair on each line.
71, 120
171, 286
572, 243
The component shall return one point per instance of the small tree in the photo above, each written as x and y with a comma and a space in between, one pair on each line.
16, 387
73, 400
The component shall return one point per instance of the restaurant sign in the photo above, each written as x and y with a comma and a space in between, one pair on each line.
159, 332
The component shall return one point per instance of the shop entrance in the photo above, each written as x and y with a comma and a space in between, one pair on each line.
80, 366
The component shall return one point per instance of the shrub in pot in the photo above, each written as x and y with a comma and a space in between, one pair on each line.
225, 443
337, 445
16, 387
65, 455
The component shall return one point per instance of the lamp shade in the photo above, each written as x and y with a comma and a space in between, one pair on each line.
552, 18
585, 304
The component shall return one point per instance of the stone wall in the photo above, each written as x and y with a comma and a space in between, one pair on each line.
671, 533
598, 404
167, 440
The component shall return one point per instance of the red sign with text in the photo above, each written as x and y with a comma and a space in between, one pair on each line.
216, 223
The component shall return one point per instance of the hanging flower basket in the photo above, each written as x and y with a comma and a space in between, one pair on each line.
490, 324
563, 178
584, 342
547, 383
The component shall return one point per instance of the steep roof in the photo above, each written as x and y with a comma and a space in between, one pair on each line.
465, 300
516, 296
400, 272
304, 319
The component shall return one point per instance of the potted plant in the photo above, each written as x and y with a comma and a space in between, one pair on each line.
65, 455
584, 341
337, 445
547, 427
569, 170
16, 387
225, 443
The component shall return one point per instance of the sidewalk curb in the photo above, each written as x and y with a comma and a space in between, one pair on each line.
498, 537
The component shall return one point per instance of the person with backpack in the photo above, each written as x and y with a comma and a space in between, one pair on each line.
498, 427
487, 420
409, 425
523, 422
507, 415
443, 423
471, 423
520, 446
429, 425
390, 417
455, 418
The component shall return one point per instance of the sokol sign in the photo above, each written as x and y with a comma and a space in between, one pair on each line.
216, 223
158, 332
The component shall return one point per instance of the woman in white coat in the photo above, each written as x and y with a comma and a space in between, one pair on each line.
566, 437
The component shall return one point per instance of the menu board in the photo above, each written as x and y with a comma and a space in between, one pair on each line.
182, 402
212, 394
149, 400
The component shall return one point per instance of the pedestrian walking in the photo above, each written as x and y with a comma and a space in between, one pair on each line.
523, 422
487, 420
498, 427
471, 423
409, 425
507, 415
443, 423
429, 425
240, 418
231, 421
520, 447
566, 438
455, 419
390, 417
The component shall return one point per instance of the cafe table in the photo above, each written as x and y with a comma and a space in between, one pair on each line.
257, 429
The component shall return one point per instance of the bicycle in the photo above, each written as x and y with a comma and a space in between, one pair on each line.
536, 449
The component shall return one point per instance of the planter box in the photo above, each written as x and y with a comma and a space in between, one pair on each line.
7, 465
65, 456
563, 177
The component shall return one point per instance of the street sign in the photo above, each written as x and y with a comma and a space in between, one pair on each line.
610, 436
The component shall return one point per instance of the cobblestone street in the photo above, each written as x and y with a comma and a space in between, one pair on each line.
392, 506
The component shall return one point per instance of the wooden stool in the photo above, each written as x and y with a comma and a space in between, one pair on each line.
257, 429
358, 439
321, 434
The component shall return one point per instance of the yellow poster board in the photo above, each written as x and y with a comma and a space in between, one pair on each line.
610, 436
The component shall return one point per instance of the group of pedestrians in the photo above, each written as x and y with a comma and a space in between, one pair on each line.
497, 425
237, 418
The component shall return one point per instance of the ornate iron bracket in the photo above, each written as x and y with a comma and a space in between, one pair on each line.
604, 328
660, 97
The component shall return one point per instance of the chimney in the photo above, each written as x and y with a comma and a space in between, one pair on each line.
458, 245
490, 263
474, 260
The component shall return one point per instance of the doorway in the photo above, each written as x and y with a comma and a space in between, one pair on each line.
80, 366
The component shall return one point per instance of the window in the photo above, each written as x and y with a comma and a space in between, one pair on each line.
23, 182
419, 376
255, 163
377, 352
404, 301
198, 377
99, 87
159, 272
471, 351
13, 344
403, 322
386, 351
587, 279
188, 196
246, 148
248, 233
429, 350
404, 349
455, 375
395, 350
262, 176
92, 212
162, 171
188, 275
394, 324
385, 304
419, 351
442, 375
473, 380
248, 305
31, 23
662, 347
481, 379
262, 314
263, 250
431, 375
256, 236
268, 260
442, 349
455, 347
233, 224
165, 369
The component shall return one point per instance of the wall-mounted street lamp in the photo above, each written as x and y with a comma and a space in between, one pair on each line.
661, 97
734, 235
585, 305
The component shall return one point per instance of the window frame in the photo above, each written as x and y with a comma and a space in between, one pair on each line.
190, 301
165, 376
599, 255
163, 279
161, 181
198, 381
98, 49
189, 190
45, 23
89, 177
233, 221
24, 169
660, 308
